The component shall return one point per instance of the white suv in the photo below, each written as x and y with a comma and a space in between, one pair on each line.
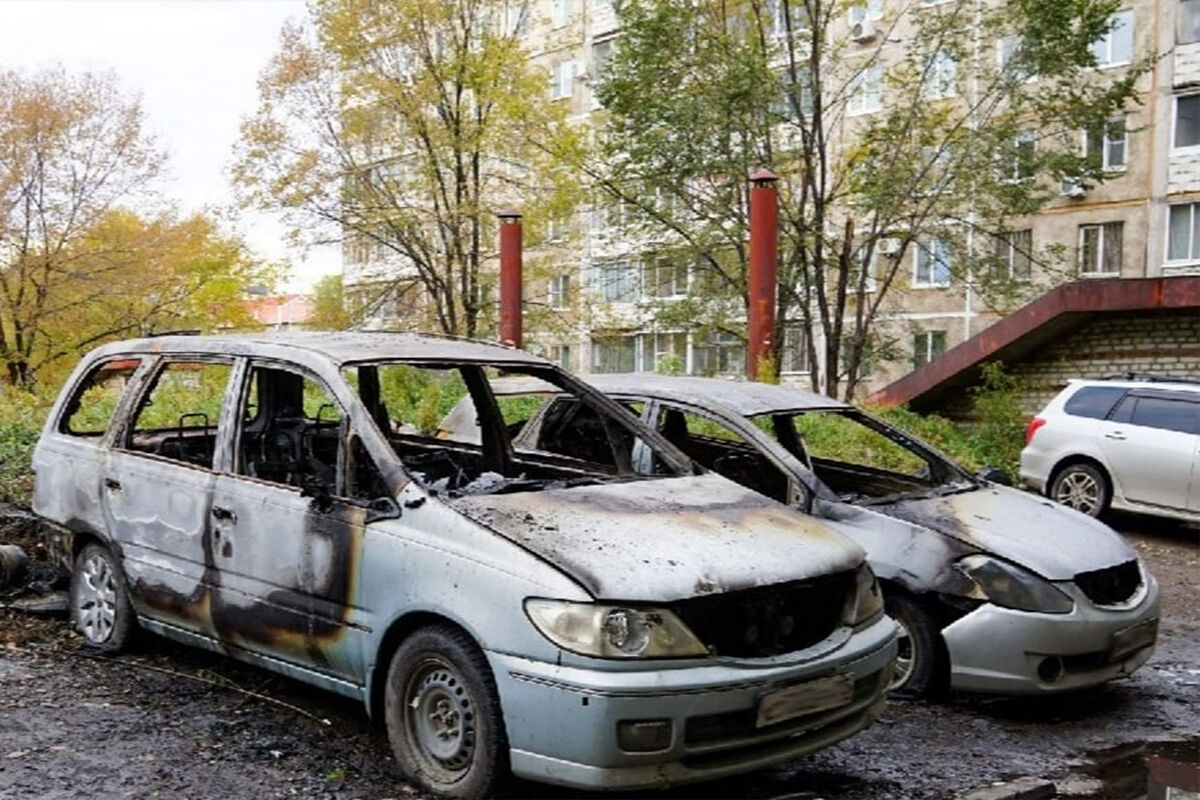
1130, 442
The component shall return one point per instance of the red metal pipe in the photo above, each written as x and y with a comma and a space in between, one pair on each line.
510, 278
764, 272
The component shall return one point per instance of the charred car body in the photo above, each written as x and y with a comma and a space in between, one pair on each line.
995, 590
572, 617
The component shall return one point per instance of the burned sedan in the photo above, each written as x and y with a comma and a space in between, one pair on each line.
995, 590
566, 614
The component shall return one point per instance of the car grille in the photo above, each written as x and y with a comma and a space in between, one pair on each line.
769, 620
1111, 585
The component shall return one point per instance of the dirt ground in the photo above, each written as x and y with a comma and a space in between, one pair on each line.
168, 721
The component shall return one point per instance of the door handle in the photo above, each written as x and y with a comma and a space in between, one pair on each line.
225, 514
1115, 435
112, 484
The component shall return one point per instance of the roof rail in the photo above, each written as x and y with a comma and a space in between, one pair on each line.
1150, 377
178, 332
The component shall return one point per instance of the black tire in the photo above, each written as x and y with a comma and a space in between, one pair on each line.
922, 665
100, 607
443, 715
1083, 487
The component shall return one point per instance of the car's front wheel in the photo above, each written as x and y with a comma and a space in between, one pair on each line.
1083, 487
443, 714
920, 669
100, 608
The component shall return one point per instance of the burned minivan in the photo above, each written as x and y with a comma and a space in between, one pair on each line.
995, 590
565, 614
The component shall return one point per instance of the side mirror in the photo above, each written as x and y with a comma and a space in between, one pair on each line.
312, 486
995, 475
382, 508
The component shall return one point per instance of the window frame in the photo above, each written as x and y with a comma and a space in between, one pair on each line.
921, 247
1177, 149
1108, 38
1102, 227
131, 389
1009, 257
1106, 142
1192, 238
861, 92
133, 404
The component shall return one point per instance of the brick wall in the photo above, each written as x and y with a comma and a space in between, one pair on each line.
1159, 343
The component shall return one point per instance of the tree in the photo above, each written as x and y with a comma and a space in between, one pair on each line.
399, 128
942, 137
329, 305
136, 275
71, 150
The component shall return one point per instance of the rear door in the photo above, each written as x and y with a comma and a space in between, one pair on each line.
156, 485
1150, 439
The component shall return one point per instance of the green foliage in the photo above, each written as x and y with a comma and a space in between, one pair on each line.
21, 418
419, 397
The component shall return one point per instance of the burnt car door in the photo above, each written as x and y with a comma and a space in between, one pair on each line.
156, 484
285, 545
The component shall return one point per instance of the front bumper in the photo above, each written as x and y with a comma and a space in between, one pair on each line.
562, 721
1001, 650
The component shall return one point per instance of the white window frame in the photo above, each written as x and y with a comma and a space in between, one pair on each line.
605, 290
561, 12
927, 337
1176, 149
929, 246
866, 91
1183, 16
1009, 257
1107, 142
559, 293
941, 77
866, 11
562, 80
1192, 234
1011, 173
1002, 63
1105, 42
1094, 269
795, 340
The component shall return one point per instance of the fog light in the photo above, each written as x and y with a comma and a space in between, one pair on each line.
644, 735
1050, 669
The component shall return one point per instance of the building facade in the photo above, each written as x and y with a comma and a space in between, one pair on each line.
1142, 221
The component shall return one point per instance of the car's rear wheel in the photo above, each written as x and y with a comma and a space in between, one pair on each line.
100, 607
443, 714
920, 669
1083, 487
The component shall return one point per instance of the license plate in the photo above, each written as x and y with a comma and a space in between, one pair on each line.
1131, 639
805, 698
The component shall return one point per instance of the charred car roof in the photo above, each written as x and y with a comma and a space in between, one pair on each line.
744, 397
343, 347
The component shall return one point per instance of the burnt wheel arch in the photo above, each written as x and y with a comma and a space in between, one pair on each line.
399, 630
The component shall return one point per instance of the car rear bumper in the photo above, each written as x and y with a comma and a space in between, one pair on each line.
1001, 650
562, 721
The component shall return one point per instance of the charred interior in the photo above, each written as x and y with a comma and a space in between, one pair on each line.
578, 441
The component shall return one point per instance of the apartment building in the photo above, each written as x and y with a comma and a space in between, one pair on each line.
1142, 221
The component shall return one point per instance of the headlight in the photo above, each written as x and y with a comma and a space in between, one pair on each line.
867, 601
613, 631
1013, 587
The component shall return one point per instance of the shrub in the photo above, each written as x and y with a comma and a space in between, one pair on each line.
21, 416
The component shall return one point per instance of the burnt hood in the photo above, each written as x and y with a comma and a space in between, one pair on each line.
666, 539
1052, 540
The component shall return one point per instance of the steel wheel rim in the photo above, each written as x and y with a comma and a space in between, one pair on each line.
1080, 491
440, 717
906, 656
96, 600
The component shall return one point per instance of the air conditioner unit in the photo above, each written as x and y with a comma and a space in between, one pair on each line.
888, 247
1073, 188
862, 31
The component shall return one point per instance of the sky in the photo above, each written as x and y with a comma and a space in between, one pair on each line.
195, 64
